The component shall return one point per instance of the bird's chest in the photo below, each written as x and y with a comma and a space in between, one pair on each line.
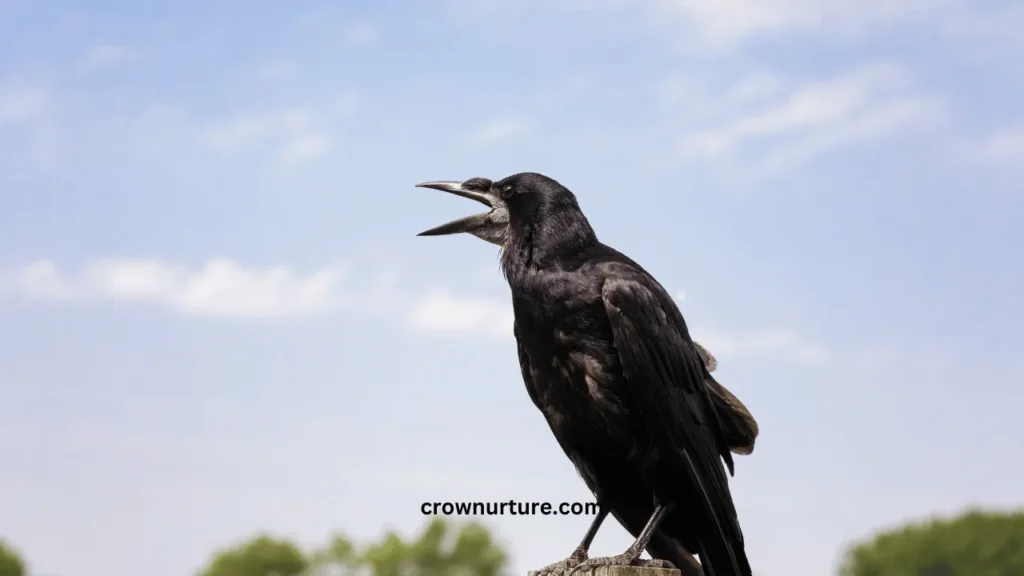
576, 378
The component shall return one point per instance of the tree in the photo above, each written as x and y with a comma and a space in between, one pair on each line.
976, 543
261, 556
439, 551
11, 563
338, 558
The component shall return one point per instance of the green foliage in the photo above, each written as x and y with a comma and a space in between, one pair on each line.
976, 543
339, 557
261, 556
11, 563
440, 550
470, 551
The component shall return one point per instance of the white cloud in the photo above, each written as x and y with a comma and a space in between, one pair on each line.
105, 57
777, 343
293, 132
40, 279
289, 136
1003, 147
723, 24
304, 146
136, 279
815, 117
715, 26
443, 312
220, 288
499, 130
231, 135
21, 102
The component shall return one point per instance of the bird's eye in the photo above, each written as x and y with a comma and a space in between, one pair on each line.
506, 191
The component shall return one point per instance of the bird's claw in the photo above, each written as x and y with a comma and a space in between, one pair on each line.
620, 560
560, 568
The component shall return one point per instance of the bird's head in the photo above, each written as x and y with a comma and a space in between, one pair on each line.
535, 198
491, 226
518, 201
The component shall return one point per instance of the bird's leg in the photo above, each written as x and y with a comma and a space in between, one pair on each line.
580, 554
631, 557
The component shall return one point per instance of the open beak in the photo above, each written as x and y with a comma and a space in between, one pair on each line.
481, 225
486, 198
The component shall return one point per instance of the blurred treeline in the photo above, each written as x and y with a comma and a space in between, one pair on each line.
975, 543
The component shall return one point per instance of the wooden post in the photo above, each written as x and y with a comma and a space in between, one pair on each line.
628, 571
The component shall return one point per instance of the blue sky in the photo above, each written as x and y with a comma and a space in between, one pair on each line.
215, 317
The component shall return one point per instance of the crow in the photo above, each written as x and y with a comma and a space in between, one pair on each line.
738, 424
607, 358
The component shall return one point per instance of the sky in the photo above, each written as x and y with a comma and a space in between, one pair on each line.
216, 317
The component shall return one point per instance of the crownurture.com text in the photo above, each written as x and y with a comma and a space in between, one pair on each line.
512, 507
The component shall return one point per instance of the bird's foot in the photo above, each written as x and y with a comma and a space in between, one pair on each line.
627, 559
561, 568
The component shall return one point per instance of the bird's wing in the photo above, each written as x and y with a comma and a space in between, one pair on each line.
666, 378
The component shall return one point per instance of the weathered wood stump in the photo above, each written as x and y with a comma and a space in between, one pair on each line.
628, 571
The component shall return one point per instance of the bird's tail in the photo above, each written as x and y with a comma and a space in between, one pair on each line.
720, 558
737, 423
717, 557
720, 545
665, 547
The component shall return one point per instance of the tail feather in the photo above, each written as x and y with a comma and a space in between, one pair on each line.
737, 423
665, 547
721, 539
709, 361
719, 560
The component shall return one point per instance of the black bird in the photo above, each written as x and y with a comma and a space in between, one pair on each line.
607, 358
739, 426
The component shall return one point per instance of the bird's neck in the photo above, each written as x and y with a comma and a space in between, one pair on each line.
553, 243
